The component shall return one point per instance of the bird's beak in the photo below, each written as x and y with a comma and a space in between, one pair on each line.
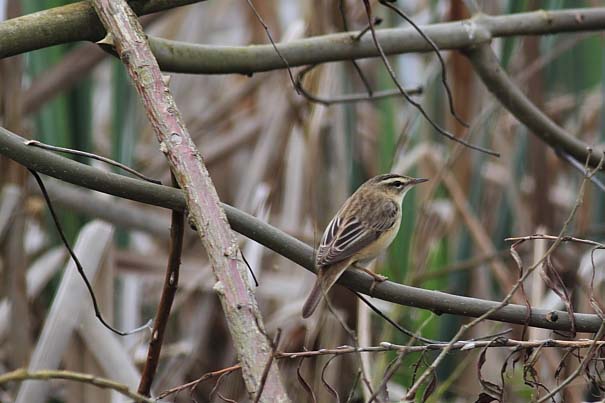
416, 181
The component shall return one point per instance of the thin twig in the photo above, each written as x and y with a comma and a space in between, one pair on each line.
214, 389
303, 381
249, 268
594, 301
566, 238
349, 98
388, 374
225, 399
433, 45
497, 341
438, 128
263, 378
354, 387
266, 28
574, 163
362, 32
79, 265
413, 389
203, 378
171, 281
47, 374
36, 143
331, 390
345, 26
580, 367
392, 322
364, 376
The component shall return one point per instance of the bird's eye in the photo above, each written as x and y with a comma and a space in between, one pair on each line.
397, 184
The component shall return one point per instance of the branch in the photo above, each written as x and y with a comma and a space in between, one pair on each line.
488, 68
22, 375
77, 22
13, 146
183, 57
171, 281
466, 345
203, 206
70, 23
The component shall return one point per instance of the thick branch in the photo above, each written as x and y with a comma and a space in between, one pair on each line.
69, 23
237, 299
182, 57
494, 77
13, 146
77, 22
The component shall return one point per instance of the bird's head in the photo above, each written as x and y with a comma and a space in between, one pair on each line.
393, 185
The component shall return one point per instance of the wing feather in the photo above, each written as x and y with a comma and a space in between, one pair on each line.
345, 236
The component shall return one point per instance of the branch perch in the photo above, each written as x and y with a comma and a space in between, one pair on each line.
203, 205
13, 146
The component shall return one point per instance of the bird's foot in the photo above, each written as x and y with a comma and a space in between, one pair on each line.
377, 278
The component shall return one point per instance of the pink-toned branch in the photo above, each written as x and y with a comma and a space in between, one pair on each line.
238, 302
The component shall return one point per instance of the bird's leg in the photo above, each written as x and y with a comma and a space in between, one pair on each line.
376, 277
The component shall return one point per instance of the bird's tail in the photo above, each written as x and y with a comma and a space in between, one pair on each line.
326, 277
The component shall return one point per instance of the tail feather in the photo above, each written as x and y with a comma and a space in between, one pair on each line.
312, 300
326, 277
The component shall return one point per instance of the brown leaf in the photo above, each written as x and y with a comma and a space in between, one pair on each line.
517, 258
552, 279
491, 389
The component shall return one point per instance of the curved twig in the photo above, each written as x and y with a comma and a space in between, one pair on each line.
23, 374
36, 143
268, 32
349, 98
435, 48
407, 97
76, 261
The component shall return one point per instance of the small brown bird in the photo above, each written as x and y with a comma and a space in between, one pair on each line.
364, 226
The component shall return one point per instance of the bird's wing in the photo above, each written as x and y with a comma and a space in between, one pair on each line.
345, 236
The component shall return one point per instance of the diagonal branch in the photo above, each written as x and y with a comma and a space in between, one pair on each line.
494, 77
13, 146
203, 205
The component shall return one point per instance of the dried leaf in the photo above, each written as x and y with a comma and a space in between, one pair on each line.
594, 302
517, 258
485, 398
553, 280
493, 390
430, 388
